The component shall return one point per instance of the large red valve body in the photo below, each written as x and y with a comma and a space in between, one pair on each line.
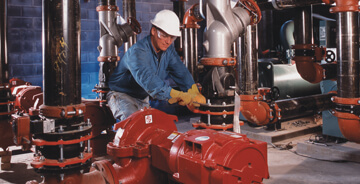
148, 149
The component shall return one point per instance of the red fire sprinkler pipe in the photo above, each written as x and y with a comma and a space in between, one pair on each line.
148, 149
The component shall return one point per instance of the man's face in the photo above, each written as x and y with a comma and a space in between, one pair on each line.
161, 40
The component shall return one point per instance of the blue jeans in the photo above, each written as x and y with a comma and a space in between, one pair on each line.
123, 105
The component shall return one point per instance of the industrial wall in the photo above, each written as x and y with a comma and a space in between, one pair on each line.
25, 46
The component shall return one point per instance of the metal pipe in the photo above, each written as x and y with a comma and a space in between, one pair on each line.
129, 10
190, 51
61, 52
304, 106
223, 26
348, 55
4, 77
190, 43
248, 62
303, 26
283, 4
179, 9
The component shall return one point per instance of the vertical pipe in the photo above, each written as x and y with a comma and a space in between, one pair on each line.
61, 52
129, 10
303, 26
4, 77
190, 51
248, 65
179, 9
348, 54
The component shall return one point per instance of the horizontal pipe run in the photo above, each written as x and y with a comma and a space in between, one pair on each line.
261, 113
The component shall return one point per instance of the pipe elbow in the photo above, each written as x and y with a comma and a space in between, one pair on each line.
191, 17
350, 128
256, 112
310, 71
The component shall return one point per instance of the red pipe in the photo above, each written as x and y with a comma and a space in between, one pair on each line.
256, 111
190, 20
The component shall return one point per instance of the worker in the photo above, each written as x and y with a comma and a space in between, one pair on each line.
143, 69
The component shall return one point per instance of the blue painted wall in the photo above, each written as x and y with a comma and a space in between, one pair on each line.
24, 38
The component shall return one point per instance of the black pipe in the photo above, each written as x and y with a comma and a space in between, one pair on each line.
348, 54
4, 77
303, 26
179, 9
304, 106
247, 69
61, 52
129, 10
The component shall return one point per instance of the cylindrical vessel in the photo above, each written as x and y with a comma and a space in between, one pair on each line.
129, 10
61, 52
4, 77
248, 64
348, 55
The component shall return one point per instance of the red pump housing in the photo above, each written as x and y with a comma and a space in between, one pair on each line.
148, 149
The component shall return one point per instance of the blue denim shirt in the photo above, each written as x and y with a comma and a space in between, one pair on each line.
140, 74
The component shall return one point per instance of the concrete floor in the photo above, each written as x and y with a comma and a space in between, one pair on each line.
285, 166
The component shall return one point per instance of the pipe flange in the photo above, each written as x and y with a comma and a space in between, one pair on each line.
109, 59
218, 61
346, 101
253, 9
62, 111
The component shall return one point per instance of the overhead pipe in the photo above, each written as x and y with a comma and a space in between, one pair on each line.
179, 9
129, 11
348, 94
190, 43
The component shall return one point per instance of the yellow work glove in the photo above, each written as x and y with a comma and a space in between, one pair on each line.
198, 98
183, 98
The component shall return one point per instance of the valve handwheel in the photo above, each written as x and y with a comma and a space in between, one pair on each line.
330, 56
134, 24
253, 9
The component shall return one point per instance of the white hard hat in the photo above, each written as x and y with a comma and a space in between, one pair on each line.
167, 21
